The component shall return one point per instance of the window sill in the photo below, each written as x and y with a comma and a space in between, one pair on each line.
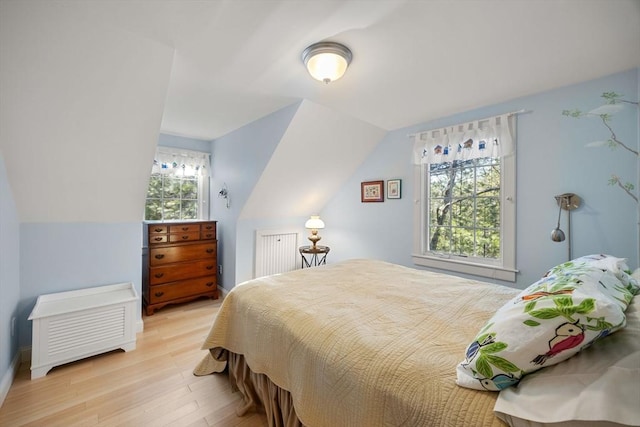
459, 266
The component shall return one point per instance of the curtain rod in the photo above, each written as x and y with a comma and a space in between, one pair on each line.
512, 113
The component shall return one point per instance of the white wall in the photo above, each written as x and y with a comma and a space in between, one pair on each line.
9, 280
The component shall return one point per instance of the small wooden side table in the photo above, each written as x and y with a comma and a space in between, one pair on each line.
317, 255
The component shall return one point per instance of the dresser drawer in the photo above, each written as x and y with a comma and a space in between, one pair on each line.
186, 288
158, 228
184, 237
180, 271
169, 254
208, 230
208, 235
154, 239
184, 228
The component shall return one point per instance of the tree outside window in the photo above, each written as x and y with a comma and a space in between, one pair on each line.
178, 186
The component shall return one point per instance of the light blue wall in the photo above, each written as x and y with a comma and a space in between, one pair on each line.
57, 257
9, 273
552, 159
238, 161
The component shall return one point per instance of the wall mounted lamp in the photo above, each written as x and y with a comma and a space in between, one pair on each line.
568, 202
314, 223
224, 193
327, 61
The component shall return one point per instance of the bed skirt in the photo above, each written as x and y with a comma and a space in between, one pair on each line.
259, 393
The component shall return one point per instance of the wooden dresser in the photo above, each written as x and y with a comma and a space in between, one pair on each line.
180, 263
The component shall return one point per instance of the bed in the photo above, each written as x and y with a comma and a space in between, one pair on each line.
356, 343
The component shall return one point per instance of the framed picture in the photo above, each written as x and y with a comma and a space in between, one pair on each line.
372, 191
394, 189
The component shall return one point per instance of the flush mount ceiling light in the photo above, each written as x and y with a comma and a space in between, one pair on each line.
327, 61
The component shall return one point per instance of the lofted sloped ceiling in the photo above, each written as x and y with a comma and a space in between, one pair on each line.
87, 86
318, 152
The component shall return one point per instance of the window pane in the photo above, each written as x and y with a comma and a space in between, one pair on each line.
155, 187
488, 243
440, 239
439, 213
189, 189
488, 181
462, 242
464, 182
189, 209
488, 212
463, 214
171, 187
171, 209
440, 182
153, 210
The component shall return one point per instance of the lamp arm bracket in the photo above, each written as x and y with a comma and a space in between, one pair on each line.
568, 201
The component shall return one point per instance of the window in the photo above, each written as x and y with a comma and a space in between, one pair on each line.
179, 186
465, 221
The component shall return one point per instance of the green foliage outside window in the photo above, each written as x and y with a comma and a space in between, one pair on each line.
172, 197
464, 208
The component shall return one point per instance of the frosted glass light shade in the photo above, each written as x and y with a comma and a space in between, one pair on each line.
314, 223
327, 61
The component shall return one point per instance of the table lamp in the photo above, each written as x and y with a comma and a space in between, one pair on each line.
314, 223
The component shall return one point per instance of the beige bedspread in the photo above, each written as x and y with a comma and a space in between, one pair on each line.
362, 342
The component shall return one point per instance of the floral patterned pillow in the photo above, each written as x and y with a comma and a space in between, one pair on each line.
572, 306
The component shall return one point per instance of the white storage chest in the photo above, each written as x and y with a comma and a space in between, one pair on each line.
69, 326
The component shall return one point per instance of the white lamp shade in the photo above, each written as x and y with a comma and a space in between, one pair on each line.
327, 61
327, 67
314, 223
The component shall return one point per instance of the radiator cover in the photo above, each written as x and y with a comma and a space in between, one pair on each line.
68, 326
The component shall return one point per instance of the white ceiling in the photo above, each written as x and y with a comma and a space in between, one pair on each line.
85, 86
238, 60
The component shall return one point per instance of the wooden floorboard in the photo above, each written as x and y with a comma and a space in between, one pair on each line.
150, 386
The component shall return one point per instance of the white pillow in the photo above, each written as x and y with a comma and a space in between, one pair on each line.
598, 387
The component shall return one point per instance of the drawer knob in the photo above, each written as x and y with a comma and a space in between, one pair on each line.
209, 267
157, 239
159, 256
159, 294
157, 230
185, 237
185, 228
209, 251
159, 275
209, 284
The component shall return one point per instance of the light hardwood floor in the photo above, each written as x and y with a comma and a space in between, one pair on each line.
152, 385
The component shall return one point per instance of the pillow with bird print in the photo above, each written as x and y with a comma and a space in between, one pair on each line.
570, 307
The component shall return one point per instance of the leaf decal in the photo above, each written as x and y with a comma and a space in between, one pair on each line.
563, 301
586, 306
503, 364
545, 313
531, 323
530, 306
483, 367
493, 348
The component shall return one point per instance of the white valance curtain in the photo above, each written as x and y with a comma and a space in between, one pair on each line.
175, 161
492, 137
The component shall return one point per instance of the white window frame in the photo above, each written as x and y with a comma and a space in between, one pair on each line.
203, 183
503, 268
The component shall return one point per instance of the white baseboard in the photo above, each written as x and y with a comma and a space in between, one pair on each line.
7, 379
